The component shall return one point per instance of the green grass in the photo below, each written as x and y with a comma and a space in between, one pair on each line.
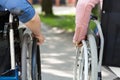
66, 22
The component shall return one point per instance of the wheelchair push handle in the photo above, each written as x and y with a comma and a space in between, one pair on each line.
16, 11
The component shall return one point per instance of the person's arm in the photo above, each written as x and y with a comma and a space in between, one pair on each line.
35, 26
83, 11
29, 16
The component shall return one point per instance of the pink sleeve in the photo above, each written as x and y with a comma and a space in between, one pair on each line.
83, 11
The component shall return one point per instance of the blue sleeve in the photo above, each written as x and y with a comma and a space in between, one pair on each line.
24, 5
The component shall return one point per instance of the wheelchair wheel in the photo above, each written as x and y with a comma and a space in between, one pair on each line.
31, 68
26, 58
93, 66
81, 70
36, 63
86, 60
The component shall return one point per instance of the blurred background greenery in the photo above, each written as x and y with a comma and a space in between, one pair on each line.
66, 21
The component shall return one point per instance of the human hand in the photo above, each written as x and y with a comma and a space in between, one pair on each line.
78, 37
78, 40
77, 44
40, 39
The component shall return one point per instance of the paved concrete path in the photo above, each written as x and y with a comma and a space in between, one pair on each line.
58, 52
58, 55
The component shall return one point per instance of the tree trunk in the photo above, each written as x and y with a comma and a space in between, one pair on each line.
47, 7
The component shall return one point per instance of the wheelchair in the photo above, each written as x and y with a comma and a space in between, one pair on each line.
88, 61
24, 53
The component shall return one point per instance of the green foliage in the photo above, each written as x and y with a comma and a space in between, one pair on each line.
92, 25
96, 11
66, 22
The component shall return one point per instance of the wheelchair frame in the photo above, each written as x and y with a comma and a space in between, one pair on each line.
14, 73
87, 65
